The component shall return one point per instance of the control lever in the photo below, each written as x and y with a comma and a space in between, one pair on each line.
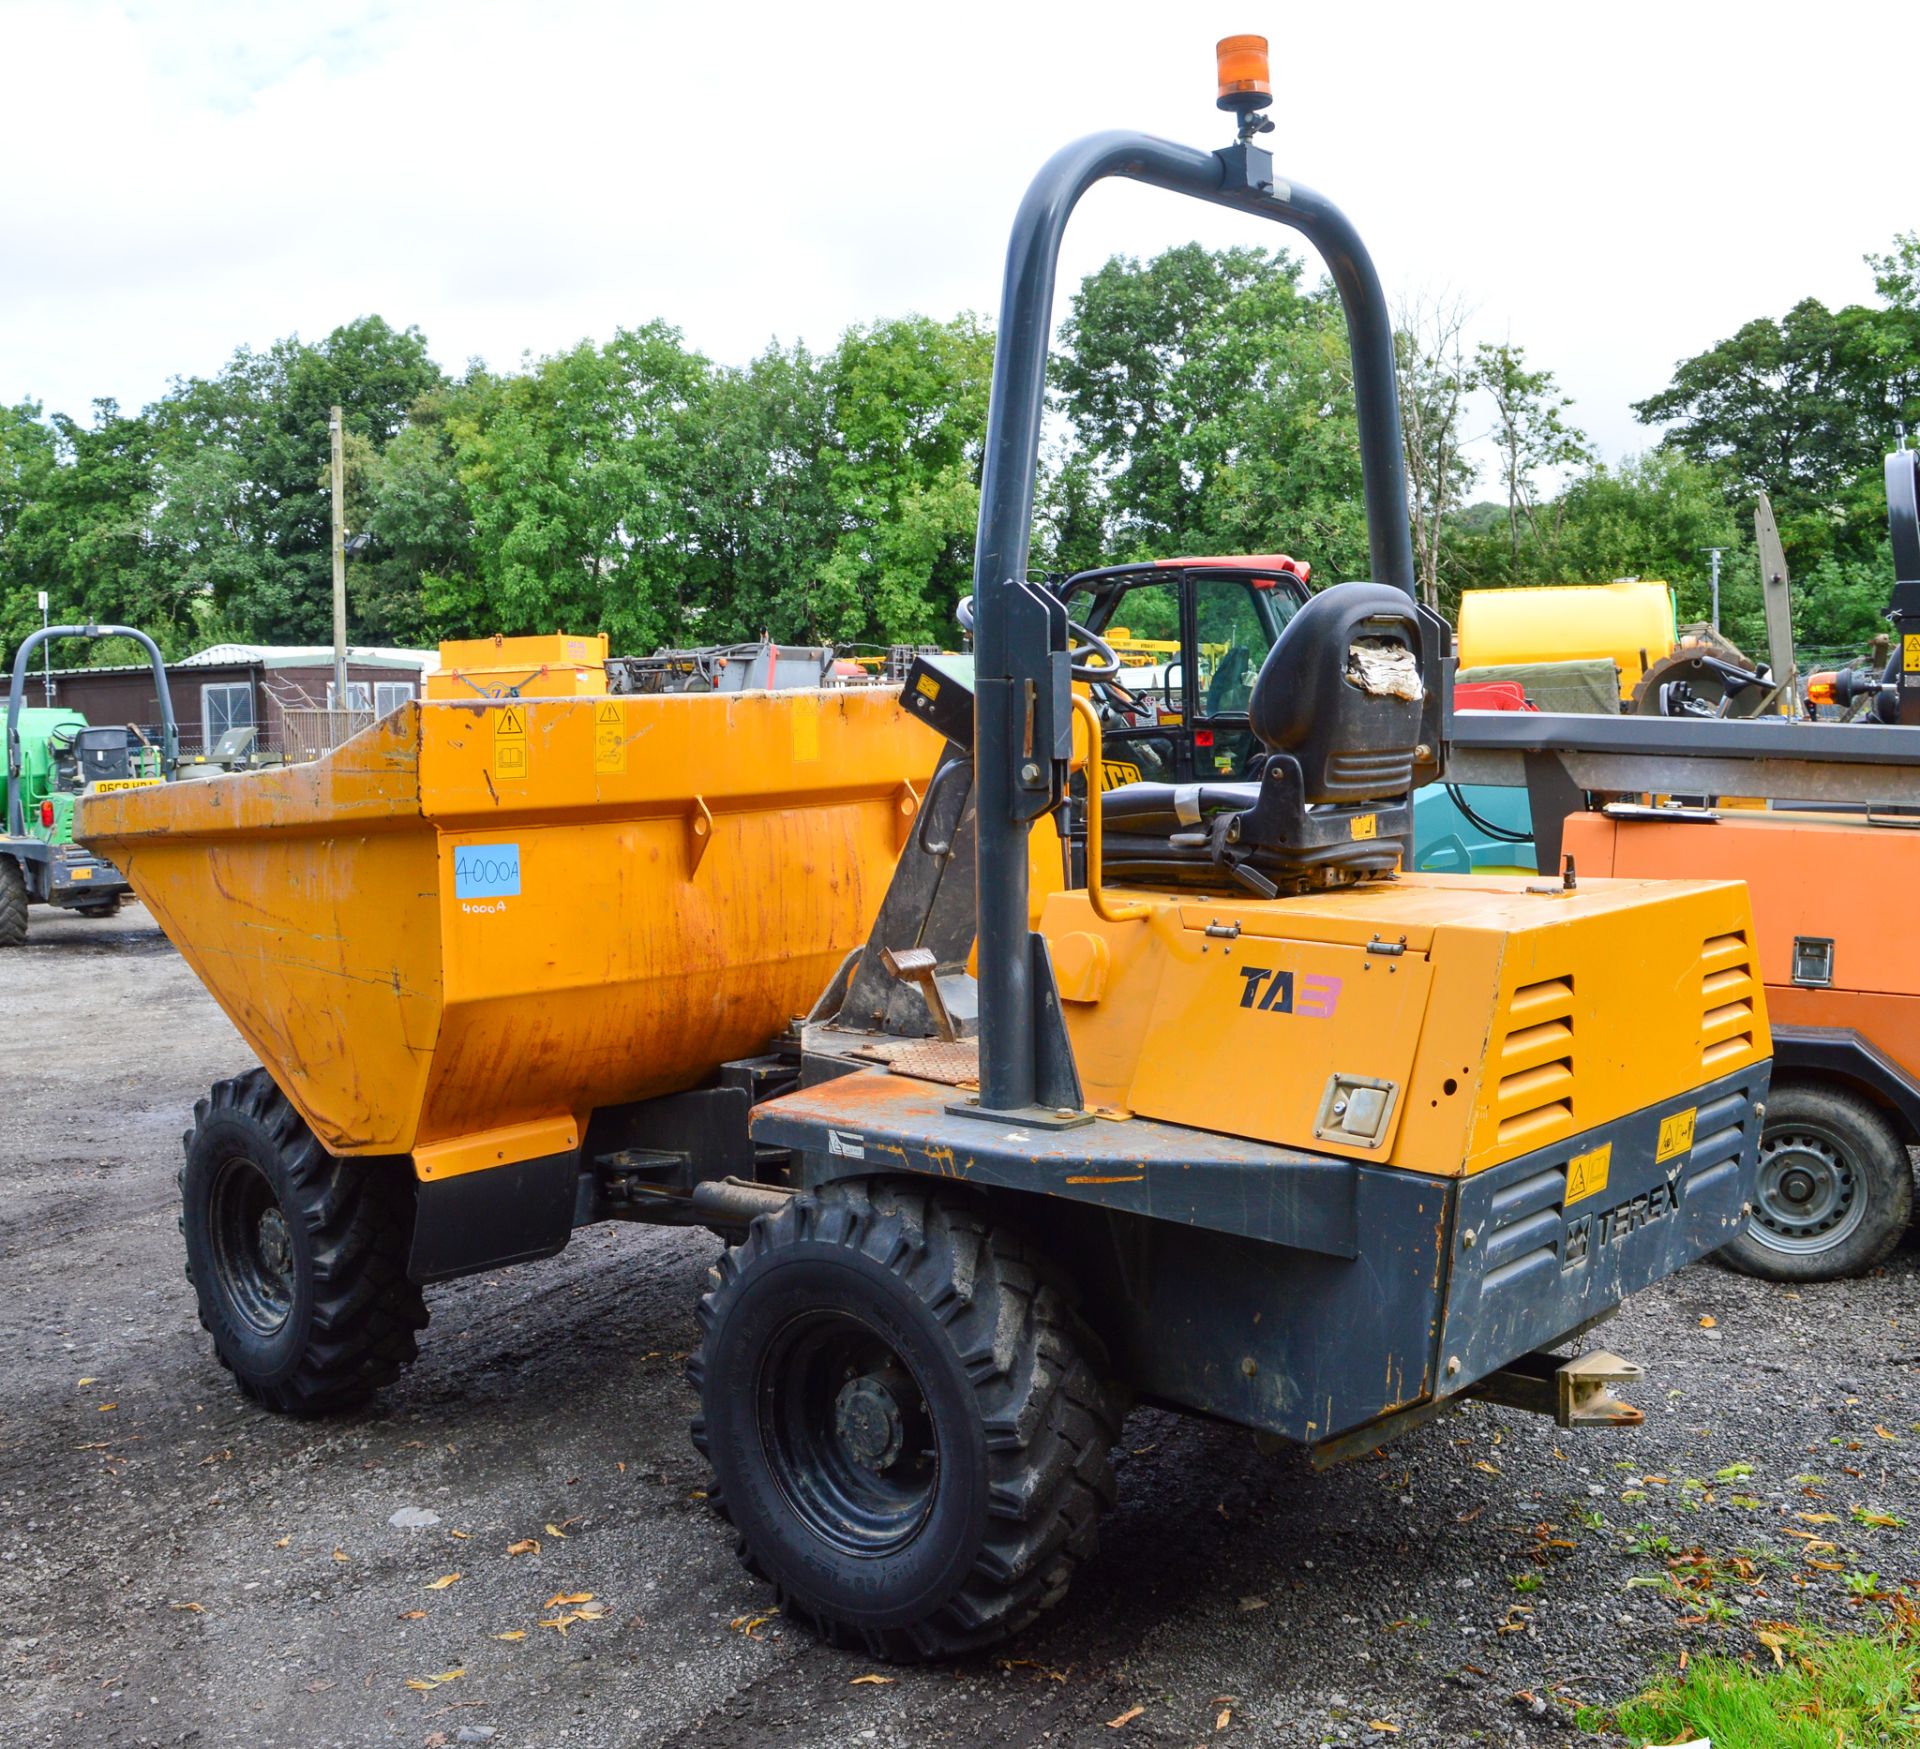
918, 966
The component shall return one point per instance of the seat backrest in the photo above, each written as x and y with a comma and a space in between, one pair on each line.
103, 753
1340, 693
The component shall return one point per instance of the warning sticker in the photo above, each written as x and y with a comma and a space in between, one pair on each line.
609, 737
1587, 1173
510, 742
1364, 826
1910, 653
1676, 1134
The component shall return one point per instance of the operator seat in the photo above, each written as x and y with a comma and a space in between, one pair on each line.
1337, 706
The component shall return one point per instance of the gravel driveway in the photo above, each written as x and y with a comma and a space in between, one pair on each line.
176, 1567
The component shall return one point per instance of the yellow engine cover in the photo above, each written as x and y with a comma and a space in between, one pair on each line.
1440, 1023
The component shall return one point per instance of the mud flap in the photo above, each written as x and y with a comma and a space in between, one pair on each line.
481, 1220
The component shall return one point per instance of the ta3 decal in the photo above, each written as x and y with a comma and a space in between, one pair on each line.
1278, 991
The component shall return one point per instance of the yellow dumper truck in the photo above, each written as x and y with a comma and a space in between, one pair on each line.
1250, 1124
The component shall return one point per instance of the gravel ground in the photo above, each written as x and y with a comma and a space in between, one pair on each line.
176, 1567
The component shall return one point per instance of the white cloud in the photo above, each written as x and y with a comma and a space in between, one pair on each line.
1612, 189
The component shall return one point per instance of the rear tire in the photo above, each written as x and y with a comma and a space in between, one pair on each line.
299, 1260
907, 1421
13, 903
1836, 1188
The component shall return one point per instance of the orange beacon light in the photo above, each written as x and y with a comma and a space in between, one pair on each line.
1244, 79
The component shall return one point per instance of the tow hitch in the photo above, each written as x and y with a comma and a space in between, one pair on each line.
1576, 1393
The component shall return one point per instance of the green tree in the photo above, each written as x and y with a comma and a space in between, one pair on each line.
1803, 408
760, 498
1896, 273
1435, 382
908, 415
29, 460
1133, 331
1530, 433
1656, 515
572, 474
244, 455
1210, 400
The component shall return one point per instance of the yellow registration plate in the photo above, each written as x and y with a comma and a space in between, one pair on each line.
108, 785
80, 874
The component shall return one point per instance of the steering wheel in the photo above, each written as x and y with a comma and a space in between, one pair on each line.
1089, 656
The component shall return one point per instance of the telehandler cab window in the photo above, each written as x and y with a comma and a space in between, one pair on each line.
1234, 626
1142, 622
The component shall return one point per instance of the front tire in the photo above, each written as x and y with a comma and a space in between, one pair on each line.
299, 1260
907, 1421
13, 903
1835, 1193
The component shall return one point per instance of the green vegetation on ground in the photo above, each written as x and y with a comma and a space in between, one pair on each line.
1822, 1689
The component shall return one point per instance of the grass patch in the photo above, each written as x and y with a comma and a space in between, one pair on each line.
1820, 1690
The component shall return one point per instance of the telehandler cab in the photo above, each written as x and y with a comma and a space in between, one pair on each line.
1250, 1125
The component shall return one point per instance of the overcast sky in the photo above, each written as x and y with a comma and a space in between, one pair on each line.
1612, 187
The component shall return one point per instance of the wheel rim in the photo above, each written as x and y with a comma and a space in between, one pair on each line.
1811, 1197
847, 1433
252, 1246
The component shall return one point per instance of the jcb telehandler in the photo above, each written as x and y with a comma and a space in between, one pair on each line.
1250, 1124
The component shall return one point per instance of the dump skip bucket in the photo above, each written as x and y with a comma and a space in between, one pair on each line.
473, 924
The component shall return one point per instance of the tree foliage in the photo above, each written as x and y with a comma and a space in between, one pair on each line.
1210, 402
1201, 401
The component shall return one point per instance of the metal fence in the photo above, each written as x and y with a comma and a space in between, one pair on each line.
306, 732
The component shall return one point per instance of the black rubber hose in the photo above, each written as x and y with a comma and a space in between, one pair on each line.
1501, 833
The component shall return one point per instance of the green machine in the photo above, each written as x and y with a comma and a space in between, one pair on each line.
54, 757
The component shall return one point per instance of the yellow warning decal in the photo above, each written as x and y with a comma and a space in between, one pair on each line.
927, 687
107, 785
1910, 653
510, 761
609, 738
1587, 1173
1676, 1134
1364, 826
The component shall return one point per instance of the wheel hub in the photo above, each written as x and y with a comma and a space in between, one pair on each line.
868, 1423
847, 1431
1809, 1195
276, 1243
254, 1266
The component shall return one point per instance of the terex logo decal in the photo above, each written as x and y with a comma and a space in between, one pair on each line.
1274, 992
1587, 1235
